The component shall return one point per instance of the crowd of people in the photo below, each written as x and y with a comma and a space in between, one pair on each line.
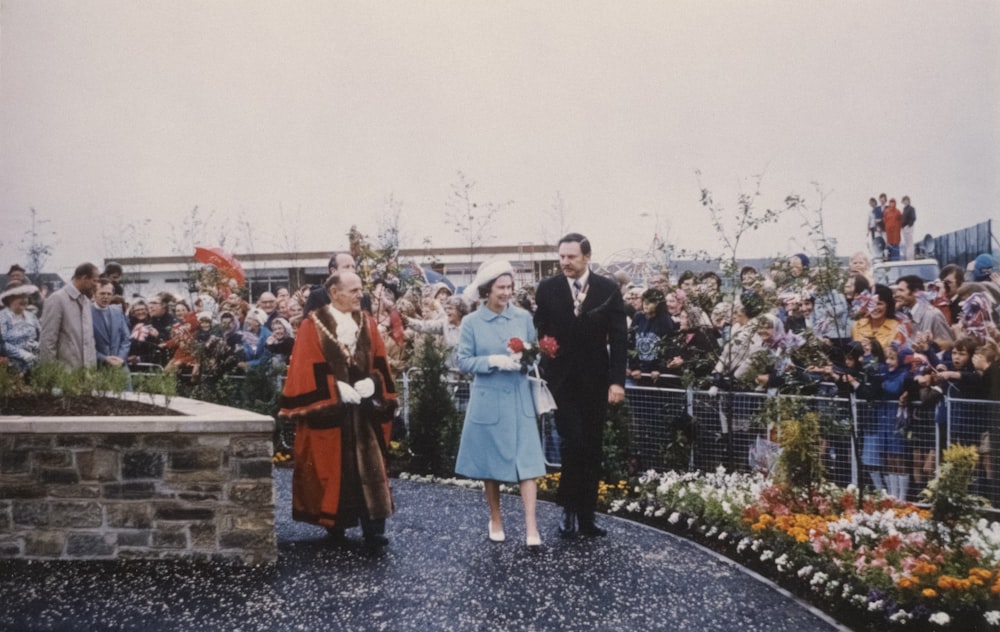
791, 328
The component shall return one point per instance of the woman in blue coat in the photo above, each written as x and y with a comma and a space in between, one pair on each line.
500, 440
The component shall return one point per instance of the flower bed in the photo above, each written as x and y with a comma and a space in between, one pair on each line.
872, 564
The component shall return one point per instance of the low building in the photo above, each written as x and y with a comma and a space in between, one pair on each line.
145, 276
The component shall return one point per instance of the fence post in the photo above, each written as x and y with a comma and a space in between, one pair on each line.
854, 444
406, 400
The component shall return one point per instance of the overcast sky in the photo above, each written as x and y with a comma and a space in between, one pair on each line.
301, 118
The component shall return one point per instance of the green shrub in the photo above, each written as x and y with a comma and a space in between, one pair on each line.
435, 425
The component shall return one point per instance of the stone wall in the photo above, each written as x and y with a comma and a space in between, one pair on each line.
197, 487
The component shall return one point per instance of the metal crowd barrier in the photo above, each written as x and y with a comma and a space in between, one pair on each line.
873, 444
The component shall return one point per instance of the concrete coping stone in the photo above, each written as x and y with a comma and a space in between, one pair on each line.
193, 416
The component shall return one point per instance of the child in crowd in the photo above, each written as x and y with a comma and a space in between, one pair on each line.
985, 362
893, 419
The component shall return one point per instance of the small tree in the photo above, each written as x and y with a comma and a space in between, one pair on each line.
951, 502
470, 219
37, 247
800, 468
435, 425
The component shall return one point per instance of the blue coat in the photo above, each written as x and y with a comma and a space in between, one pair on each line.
113, 342
500, 437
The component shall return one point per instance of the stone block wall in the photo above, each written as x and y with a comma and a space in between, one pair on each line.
195, 490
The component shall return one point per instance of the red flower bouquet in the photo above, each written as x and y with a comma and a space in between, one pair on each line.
528, 354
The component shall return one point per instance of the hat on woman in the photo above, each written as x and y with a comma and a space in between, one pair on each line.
488, 272
15, 289
982, 267
257, 314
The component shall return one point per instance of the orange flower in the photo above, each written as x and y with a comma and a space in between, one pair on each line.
930, 593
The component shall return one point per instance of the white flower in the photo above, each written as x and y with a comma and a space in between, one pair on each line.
723, 535
875, 605
632, 507
805, 571
819, 579
992, 617
711, 532
744, 543
756, 545
900, 616
674, 517
659, 512
691, 521
766, 555
940, 618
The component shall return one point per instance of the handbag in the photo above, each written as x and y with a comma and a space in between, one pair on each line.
544, 401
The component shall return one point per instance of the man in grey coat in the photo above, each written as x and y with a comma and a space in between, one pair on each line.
67, 321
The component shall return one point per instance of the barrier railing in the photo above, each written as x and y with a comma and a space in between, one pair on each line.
877, 444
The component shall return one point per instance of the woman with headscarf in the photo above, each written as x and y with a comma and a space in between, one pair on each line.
775, 356
281, 341
19, 327
255, 336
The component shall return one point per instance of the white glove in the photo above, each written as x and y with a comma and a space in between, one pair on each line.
365, 388
347, 393
504, 362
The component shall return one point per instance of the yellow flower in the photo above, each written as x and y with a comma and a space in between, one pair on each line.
930, 593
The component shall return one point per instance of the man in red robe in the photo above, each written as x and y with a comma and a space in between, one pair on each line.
340, 393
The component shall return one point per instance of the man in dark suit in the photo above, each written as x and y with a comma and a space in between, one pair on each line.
111, 331
585, 313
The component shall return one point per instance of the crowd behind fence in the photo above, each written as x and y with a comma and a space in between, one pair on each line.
868, 444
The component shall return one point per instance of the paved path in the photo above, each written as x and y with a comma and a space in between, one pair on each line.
441, 573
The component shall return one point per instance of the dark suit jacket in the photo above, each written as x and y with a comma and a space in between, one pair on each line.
592, 346
115, 342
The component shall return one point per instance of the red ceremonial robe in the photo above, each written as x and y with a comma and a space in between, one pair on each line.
339, 470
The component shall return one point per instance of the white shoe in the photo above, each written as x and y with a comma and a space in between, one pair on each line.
497, 535
533, 541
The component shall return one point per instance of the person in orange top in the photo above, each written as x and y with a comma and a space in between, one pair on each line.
880, 320
340, 394
892, 217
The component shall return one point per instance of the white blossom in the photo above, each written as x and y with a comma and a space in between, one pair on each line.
940, 618
900, 616
992, 617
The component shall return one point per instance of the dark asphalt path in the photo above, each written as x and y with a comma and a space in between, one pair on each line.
440, 573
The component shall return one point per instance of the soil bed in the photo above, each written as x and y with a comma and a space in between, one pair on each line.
78, 406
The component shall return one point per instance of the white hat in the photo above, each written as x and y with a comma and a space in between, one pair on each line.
257, 314
488, 271
17, 290
205, 315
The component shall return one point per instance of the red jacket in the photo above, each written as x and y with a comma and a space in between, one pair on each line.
893, 218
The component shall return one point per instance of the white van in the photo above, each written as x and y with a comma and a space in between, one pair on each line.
888, 272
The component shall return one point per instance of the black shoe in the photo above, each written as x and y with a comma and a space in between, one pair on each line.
589, 528
335, 534
567, 526
372, 541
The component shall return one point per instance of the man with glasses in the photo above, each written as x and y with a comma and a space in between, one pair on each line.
269, 303
111, 331
952, 278
67, 321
